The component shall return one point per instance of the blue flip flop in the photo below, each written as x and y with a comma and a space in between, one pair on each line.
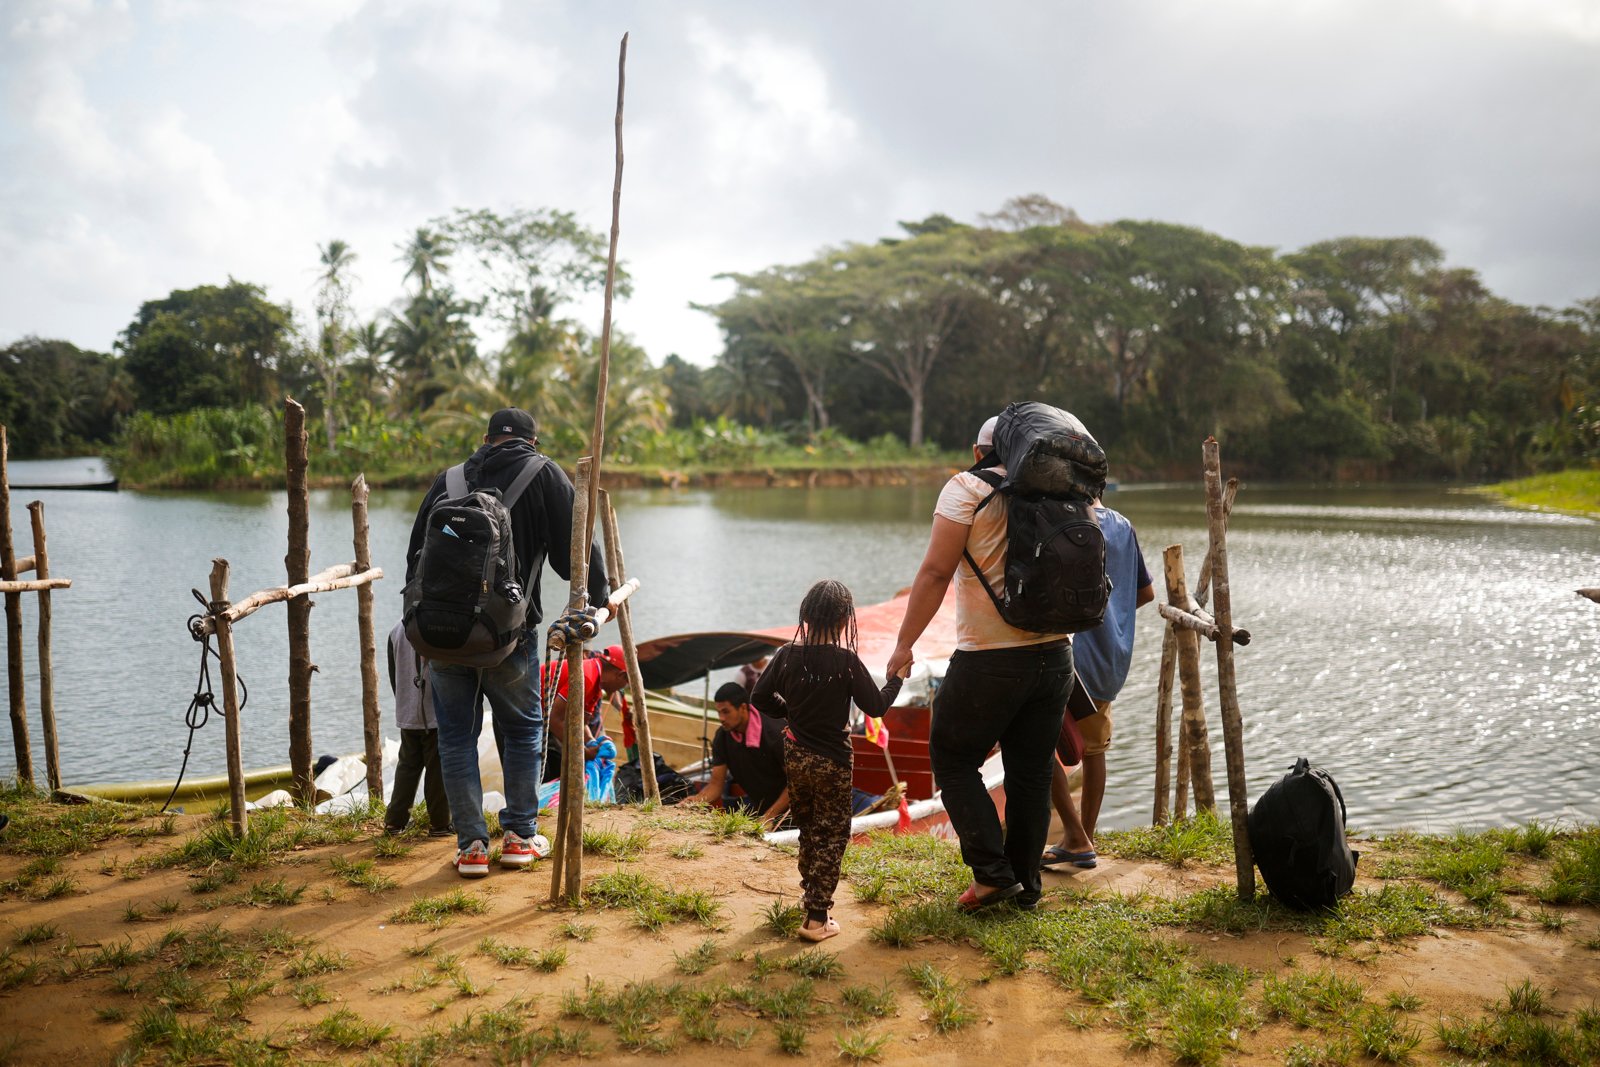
1055, 855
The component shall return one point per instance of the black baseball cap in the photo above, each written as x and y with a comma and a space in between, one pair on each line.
513, 421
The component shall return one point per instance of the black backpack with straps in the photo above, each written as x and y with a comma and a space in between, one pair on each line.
1297, 833
465, 604
1055, 574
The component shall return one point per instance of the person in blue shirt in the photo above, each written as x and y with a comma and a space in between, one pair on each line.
1101, 657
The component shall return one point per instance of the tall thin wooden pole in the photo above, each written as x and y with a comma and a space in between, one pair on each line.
1202, 586
1169, 658
1232, 721
230, 694
597, 438
566, 870
641, 715
298, 565
371, 727
8, 571
1195, 734
47, 677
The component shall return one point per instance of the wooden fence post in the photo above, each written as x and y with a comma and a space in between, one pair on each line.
641, 715
1169, 658
567, 867
230, 694
1195, 735
298, 565
8, 572
1232, 721
371, 727
47, 682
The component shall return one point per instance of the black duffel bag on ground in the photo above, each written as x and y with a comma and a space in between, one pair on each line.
629, 785
1297, 835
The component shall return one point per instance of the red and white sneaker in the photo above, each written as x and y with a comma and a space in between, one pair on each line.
519, 851
472, 861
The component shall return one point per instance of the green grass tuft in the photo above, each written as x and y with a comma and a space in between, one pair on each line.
439, 910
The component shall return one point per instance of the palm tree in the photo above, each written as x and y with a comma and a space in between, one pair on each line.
333, 308
424, 256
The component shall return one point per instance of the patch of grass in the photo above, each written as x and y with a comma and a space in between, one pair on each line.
310, 994
277, 893
862, 1001
893, 869
614, 844
947, 1008
814, 963
344, 1029
504, 954
1402, 1002
653, 905
116, 955
170, 906
132, 913
391, 848
698, 960
791, 1038
61, 886
633, 1013
439, 910
1574, 875
858, 1046
783, 920
1526, 999
686, 850
1392, 913
577, 931
37, 934
362, 874
314, 963
1576, 491
535, 1047
1383, 1035
725, 823
907, 925
1310, 999
795, 1001
1335, 1053
40, 827
1204, 1021
1203, 838
238, 995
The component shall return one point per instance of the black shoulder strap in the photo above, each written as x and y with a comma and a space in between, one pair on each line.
530, 468
994, 480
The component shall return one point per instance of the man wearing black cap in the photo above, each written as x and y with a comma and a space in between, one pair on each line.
541, 526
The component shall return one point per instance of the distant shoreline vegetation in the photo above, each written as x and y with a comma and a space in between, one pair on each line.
1354, 358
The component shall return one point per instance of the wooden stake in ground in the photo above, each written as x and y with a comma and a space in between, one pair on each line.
298, 566
641, 714
1232, 721
1195, 735
230, 694
371, 727
8, 572
1169, 662
566, 868
47, 695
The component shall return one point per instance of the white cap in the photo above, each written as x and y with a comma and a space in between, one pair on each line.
986, 434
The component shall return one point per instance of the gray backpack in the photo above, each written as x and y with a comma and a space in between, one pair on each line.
466, 604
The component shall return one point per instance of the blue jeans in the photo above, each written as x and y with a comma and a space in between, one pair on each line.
1013, 697
513, 692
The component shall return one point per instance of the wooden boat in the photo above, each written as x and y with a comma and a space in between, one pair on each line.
108, 486
681, 727
194, 794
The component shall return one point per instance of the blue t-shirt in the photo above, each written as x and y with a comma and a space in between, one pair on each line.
1102, 655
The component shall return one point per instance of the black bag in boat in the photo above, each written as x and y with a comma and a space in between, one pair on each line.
1297, 835
629, 783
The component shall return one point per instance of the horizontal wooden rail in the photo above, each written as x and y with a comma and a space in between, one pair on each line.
25, 564
35, 585
339, 577
1200, 623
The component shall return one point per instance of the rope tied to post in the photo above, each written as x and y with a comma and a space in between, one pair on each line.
204, 701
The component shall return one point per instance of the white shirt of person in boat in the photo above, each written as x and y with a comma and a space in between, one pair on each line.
978, 623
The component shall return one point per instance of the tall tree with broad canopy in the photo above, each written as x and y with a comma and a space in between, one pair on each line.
211, 346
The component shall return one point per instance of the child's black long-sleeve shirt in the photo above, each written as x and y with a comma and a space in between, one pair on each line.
813, 687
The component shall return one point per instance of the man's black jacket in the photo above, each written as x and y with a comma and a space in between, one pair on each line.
541, 520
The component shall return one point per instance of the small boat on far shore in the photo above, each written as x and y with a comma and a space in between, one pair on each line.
108, 486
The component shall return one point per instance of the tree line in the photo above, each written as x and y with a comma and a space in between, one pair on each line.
1354, 356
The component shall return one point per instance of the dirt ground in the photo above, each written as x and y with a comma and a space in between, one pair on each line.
1024, 1018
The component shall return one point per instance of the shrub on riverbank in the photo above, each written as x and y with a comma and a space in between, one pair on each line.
1576, 491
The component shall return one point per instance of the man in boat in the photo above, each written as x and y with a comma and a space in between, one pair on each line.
1101, 657
604, 673
747, 751
1003, 685
541, 526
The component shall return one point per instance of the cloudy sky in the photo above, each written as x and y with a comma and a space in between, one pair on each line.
147, 146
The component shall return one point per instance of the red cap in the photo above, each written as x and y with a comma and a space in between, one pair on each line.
613, 656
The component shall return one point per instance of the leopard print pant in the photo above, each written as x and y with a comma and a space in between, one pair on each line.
819, 801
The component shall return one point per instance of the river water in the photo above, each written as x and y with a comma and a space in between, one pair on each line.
1425, 646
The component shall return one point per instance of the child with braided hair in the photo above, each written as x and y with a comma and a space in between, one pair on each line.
812, 682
